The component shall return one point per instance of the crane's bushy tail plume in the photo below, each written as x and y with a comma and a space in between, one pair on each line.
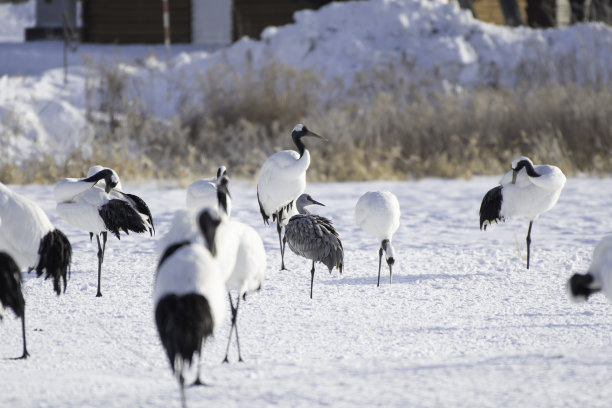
120, 215
490, 207
10, 281
55, 255
142, 208
183, 322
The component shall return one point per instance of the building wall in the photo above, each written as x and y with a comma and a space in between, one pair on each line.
134, 21
211, 22
49, 12
250, 17
490, 11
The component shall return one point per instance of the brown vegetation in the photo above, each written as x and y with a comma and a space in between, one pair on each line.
393, 131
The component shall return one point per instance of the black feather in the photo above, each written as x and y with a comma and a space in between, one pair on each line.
183, 322
54, 257
580, 285
490, 207
10, 285
170, 250
265, 217
142, 208
120, 215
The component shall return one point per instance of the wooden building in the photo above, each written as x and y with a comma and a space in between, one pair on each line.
212, 22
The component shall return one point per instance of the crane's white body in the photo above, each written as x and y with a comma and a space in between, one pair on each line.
23, 225
601, 267
531, 196
250, 267
79, 202
378, 214
241, 256
282, 179
192, 270
202, 193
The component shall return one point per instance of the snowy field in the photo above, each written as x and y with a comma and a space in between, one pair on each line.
463, 324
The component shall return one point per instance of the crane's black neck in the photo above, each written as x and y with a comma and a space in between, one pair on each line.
528, 167
299, 144
222, 199
208, 226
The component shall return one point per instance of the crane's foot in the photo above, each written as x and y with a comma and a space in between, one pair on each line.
198, 383
22, 357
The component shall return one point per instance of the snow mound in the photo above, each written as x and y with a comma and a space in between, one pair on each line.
430, 43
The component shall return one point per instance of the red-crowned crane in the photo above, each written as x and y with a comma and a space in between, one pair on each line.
202, 193
189, 291
242, 259
599, 276
526, 190
97, 204
378, 214
282, 179
29, 241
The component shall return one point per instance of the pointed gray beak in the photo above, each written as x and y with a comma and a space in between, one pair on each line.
316, 202
513, 176
313, 134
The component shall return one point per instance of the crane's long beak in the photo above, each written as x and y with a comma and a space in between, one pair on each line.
313, 134
513, 176
316, 202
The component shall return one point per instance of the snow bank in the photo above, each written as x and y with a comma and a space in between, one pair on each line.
433, 44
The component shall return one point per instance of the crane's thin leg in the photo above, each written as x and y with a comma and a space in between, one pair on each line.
235, 322
281, 244
198, 381
528, 242
380, 252
390, 274
100, 260
181, 381
229, 295
311, 278
23, 333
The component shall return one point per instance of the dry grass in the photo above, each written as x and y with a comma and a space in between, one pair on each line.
390, 130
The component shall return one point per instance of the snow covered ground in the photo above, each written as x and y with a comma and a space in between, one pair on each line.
464, 324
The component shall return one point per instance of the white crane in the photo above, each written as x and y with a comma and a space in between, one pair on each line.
282, 179
28, 240
599, 276
526, 190
202, 193
188, 294
97, 204
378, 214
242, 257
314, 237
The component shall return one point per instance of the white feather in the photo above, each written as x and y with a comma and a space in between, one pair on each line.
24, 224
378, 214
192, 269
250, 267
282, 179
531, 196
601, 267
